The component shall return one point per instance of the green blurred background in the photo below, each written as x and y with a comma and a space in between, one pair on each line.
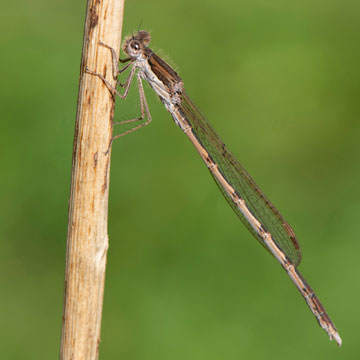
279, 81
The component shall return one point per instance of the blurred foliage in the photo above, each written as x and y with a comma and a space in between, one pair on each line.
279, 81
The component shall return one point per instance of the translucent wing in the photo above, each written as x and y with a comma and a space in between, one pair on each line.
244, 185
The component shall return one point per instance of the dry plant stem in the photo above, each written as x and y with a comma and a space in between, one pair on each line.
87, 240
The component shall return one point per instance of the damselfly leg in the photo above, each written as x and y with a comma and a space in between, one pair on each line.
113, 90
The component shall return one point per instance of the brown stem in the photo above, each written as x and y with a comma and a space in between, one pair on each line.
87, 239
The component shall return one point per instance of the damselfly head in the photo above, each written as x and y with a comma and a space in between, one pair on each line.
134, 44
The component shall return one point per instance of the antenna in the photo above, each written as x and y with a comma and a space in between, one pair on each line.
140, 24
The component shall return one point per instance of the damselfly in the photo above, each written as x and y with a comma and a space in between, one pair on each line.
248, 202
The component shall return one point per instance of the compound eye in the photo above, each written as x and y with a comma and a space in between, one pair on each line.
135, 45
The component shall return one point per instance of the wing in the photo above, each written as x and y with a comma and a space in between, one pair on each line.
243, 183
